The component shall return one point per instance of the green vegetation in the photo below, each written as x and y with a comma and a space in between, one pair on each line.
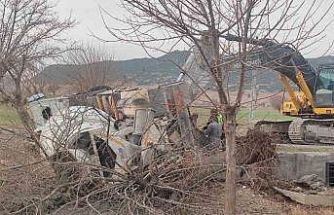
291, 148
243, 116
262, 114
8, 116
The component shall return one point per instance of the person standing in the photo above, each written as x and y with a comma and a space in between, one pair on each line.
220, 120
214, 132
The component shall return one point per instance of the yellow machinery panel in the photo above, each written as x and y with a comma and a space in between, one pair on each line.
324, 111
288, 108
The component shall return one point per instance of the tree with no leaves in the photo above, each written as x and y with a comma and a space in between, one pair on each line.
156, 24
94, 66
32, 83
30, 33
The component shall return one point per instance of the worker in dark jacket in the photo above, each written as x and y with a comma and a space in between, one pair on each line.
214, 132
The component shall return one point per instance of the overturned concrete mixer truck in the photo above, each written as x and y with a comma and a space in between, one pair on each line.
117, 130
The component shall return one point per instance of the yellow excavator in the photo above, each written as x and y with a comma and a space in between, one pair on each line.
312, 104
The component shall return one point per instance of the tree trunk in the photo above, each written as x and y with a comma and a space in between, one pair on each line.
18, 102
29, 127
230, 189
26, 120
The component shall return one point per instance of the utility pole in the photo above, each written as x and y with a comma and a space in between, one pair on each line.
253, 95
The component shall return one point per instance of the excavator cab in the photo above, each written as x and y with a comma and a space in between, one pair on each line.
324, 90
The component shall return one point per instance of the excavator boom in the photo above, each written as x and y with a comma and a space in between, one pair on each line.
314, 104
283, 58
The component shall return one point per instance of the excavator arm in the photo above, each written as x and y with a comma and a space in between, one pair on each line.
291, 65
282, 58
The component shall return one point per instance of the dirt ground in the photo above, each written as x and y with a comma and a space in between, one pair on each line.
25, 177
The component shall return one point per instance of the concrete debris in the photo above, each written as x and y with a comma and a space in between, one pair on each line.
309, 190
319, 185
311, 182
308, 199
308, 179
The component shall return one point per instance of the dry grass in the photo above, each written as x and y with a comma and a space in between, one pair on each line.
191, 185
299, 210
8, 116
24, 176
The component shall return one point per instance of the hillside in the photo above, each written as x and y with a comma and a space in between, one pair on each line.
142, 71
321, 60
146, 71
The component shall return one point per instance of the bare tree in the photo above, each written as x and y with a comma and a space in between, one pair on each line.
92, 66
188, 22
33, 83
30, 33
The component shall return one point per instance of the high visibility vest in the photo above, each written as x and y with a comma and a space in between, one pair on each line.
220, 118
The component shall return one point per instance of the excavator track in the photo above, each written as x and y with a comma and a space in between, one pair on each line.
302, 131
316, 131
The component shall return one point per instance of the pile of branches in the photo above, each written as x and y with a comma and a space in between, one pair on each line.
173, 182
257, 157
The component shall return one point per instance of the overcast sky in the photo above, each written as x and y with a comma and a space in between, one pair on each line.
86, 13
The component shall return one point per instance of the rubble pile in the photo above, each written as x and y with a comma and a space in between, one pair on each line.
307, 190
310, 184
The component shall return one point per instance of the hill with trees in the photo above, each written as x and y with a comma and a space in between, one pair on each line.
147, 71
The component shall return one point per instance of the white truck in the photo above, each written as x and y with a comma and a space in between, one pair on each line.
97, 138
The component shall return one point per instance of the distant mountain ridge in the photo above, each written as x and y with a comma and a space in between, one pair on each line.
148, 71
321, 60
143, 71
